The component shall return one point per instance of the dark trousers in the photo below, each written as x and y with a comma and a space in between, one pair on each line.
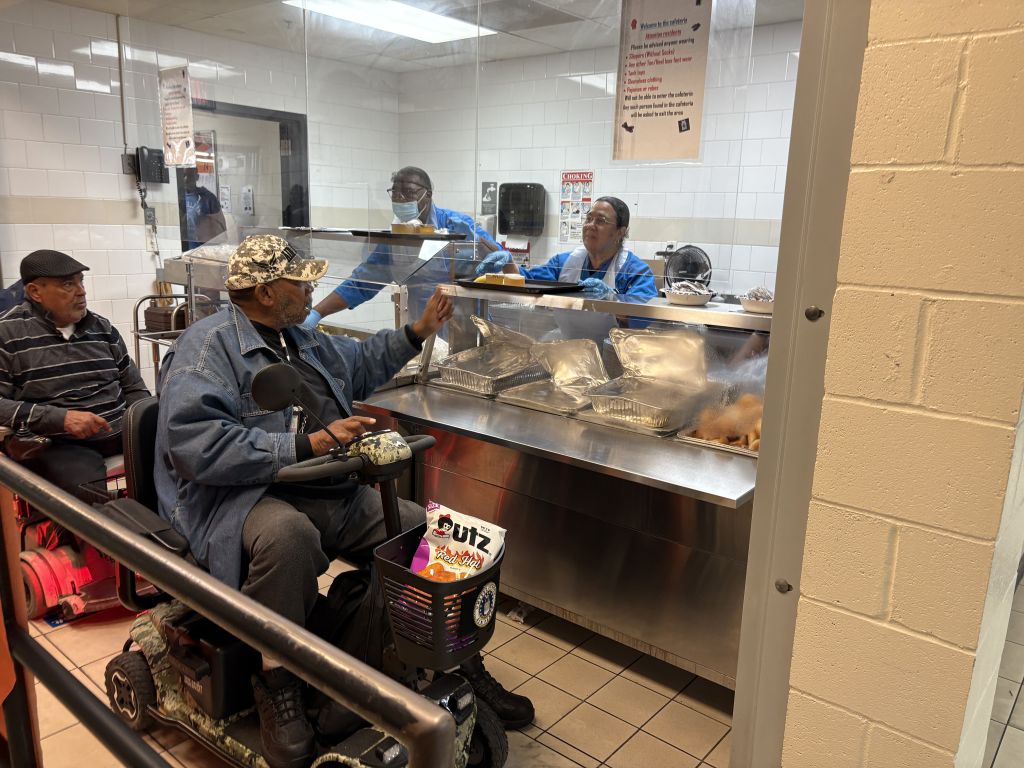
290, 541
69, 464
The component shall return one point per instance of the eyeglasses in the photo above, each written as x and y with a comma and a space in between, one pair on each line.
406, 192
598, 220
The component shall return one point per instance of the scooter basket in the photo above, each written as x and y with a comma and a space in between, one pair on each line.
436, 624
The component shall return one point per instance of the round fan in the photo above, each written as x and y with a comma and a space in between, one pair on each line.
688, 262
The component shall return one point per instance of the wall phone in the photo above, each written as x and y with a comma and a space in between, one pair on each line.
150, 165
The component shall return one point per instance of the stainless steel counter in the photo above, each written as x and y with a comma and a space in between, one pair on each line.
700, 473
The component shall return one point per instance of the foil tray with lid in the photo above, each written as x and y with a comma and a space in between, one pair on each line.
651, 403
489, 369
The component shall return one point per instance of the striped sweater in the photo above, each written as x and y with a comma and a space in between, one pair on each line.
43, 375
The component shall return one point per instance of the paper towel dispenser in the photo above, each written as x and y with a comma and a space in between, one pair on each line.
520, 209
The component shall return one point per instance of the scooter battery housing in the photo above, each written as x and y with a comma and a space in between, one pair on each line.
214, 666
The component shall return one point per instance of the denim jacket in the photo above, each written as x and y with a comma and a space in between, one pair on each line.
216, 450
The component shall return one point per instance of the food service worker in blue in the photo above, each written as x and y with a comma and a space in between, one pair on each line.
411, 196
602, 266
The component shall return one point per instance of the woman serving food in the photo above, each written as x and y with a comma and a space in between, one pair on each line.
602, 266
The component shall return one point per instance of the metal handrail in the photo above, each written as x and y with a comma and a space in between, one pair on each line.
426, 730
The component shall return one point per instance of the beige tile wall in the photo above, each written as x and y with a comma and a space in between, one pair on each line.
910, 520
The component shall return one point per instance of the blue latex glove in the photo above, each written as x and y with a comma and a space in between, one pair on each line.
311, 321
597, 288
494, 262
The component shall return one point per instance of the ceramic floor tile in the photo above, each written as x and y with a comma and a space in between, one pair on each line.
660, 676
1016, 718
524, 752
40, 627
74, 747
53, 716
576, 676
550, 704
708, 698
192, 754
1012, 665
518, 613
502, 634
995, 735
1015, 632
569, 751
592, 731
606, 653
645, 750
509, 676
93, 637
628, 701
1018, 598
720, 755
1011, 749
94, 670
51, 649
529, 653
1006, 695
560, 632
684, 728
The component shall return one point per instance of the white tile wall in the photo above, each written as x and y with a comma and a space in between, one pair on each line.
542, 114
61, 135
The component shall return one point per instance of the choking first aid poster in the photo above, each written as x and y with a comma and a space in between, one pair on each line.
176, 117
663, 54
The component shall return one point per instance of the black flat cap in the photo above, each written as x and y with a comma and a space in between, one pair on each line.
49, 264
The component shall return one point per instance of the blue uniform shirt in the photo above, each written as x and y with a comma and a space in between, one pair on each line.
635, 280
382, 268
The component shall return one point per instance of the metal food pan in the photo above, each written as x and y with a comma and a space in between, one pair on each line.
544, 396
650, 403
592, 417
489, 385
684, 438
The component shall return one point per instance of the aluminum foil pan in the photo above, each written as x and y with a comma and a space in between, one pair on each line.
499, 334
490, 368
651, 403
575, 362
545, 396
672, 356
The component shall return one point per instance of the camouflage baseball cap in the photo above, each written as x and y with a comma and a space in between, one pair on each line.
264, 258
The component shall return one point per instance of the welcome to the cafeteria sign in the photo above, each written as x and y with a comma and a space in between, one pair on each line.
663, 53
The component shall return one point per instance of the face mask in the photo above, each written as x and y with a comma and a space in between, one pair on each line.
406, 211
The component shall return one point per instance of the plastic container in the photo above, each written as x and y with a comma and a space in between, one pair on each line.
436, 624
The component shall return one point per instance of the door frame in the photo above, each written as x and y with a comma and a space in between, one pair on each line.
832, 44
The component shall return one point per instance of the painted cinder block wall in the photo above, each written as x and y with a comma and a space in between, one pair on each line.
912, 535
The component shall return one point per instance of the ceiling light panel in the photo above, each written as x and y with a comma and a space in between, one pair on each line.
396, 18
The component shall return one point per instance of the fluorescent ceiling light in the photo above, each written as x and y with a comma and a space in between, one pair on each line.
396, 18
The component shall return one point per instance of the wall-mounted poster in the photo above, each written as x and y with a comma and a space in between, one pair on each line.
176, 117
574, 199
663, 53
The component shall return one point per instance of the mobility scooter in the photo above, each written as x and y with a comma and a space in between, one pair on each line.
180, 669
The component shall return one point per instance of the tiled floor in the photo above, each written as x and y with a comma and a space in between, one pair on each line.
598, 703
1005, 747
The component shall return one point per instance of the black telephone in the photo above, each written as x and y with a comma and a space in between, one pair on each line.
150, 165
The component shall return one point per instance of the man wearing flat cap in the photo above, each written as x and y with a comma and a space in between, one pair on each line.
64, 374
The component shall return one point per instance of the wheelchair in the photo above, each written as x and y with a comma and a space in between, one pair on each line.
182, 670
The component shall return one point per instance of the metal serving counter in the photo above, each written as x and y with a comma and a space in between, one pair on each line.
640, 539
708, 475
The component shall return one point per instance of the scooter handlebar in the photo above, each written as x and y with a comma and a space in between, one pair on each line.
420, 443
319, 468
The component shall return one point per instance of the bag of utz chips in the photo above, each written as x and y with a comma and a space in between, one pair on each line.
456, 546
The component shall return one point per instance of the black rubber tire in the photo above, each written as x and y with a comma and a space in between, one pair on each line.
488, 746
35, 599
130, 689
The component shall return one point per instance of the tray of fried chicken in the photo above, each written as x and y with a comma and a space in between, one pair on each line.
733, 426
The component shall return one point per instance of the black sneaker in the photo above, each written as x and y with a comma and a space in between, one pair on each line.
513, 710
285, 734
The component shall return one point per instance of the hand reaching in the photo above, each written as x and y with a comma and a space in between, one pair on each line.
494, 262
597, 288
439, 309
312, 320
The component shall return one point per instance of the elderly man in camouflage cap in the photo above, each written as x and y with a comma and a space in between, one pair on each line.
218, 454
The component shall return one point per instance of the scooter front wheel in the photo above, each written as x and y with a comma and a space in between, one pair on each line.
488, 746
130, 689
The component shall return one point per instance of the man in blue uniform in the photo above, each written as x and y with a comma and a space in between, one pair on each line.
411, 195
